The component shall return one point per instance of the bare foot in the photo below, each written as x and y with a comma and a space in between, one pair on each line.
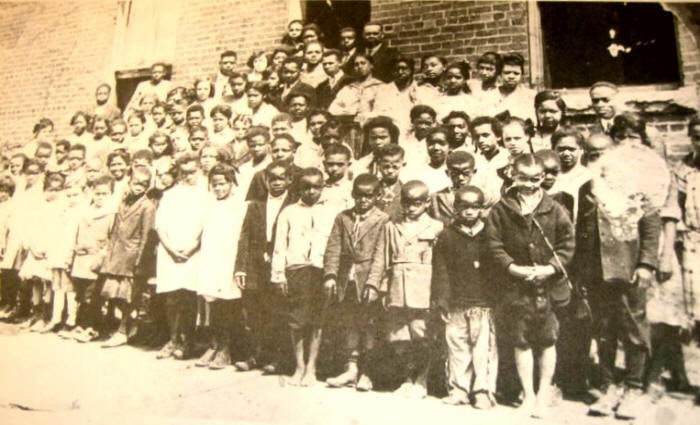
296, 379
309, 378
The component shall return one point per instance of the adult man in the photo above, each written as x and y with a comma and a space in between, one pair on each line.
382, 55
337, 79
227, 62
290, 73
157, 85
603, 96
357, 98
349, 47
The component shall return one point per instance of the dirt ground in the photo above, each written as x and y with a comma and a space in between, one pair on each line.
47, 380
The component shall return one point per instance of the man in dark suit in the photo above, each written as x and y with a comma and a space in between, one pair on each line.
220, 80
252, 272
615, 262
603, 96
383, 56
337, 79
349, 46
289, 76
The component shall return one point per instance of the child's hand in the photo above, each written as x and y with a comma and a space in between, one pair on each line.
330, 287
643, 277
542, 273
370, 294
240, 281
521, 272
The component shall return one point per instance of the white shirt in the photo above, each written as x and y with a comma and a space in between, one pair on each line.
272, 210
435, 178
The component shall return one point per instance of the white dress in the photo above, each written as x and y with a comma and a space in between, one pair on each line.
222, 228
179, 216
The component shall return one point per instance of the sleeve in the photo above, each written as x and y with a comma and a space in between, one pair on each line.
649, 232
341, 105
495, 240
243, 252
256, 190
377, 269
565, 241
279, 251
147, 223
671, 209
439, 285
331, 258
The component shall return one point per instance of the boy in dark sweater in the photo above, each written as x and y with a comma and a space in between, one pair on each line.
461, 295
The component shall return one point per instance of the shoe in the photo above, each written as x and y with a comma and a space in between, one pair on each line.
50, 327
270, 369
68, 331
364, 384
482, 401
222, 360
405, 389
181, 351
25, 323
116, 340
246, 365
345, 379
606, 405
37, 326
166, 351
206, 358
455, 399
632, 404
88, 335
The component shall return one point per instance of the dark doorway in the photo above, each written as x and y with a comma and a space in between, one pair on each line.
331, 16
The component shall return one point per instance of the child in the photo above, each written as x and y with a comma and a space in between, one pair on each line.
488, 66
313, 74
293, 36
238, 146
94, 224
458, 123
257, 63
137, 138
80, 123
75, 175
221, 134
461, 291
348, 257
123, 264
221, 226
434, 173
516, 139
179, 130
552, 168
422, 120
513, 97
207, 160
390, 162
160, 117
8, 288
338, 187
401, 270
142, 158
531, 239
17, 166
195, 116
198, 137
178, 255
42, 155
377, 132
262, 305
283, 148
568, 142
118, 166
161, 145
117, 135
460, 169
261, 111
101, 144
258, 141
297, 270
456, 95
281, 124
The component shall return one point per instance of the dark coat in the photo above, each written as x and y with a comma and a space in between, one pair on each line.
345, 249
280, 101
390, 202
258, 186
441, 206
325, 94
514, 238
384, 62
602, 258
253, 244
127, 239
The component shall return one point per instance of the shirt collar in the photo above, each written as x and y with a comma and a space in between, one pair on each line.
270, 197
471, 231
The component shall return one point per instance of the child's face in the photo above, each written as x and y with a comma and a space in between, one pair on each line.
32, 174
515, 139
159, 145
52, 192
281, 150
281, 127
93, 169
203, 90
468, 208
220, 122
336, 166
511, 75
76, 159
569, 152
294, 30
694, 135
239, 129
102, 95
315, 124
390, 168
138, 184
403, 73
194, 118
454, 80
595, 146
260, 64
135, 126
79, 125
278, 181
331, 65
16, 165
117, 135
277, 59
313, 53
460, 130
158, 115
117, 168
164, 179
433, 68
177, 114
220, 186
238, 86
226, 65
551, 171
100, 194
157, 73
257, 146
188, 172
365, 198
207, 158
460, 174
330, 137
255, 98
487, 71
147, 103
42, 156
548, 115
99, 129
602, 99
290, 73
298, 108
273, 80
74, 196
378, 137
528, 179
311, 188
485, 138
422, 124
438, 148
197, 139
45, 134
414, 202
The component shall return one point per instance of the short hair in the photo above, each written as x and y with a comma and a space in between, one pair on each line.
496, 126
119, 153
367, 56
606, 84
292, 59
42, 124
79, 114
419, 110
414, 184
331, 124
423, 59
408, 61
228, 53
285, 136
282, 116
439, 129
337, 149
514, 59
459, 158
258, 130
43, 145
236, 75
7, 185
104, 180
260, 86
491, 58
99, 86
169, 150
159, 104
79, 147
186, 158
279, 164
313, 27
526, 160
245, 119
196, 107
373, 24
333, 52
473, 190
310, 172
225, 170
105, 121
462, 66
186, 94
366, 179
138, 115
547, 154
694, 121
318, 111
224, 110
145, 154
198, 129
295, 21
28, 162
630, 121
567, 131
389, 150
54, 178
298, 93
525, 124
161, 64
381, 122
315, 42
554, 95
456, 114
346, 29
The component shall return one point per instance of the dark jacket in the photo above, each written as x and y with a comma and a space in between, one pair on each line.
390, 201
384, 62
514, 238
258, 186
280, 101
253, 244
602, 258
325, 94
346, 249
441, 205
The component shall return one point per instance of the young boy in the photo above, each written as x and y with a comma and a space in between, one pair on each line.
552, 169
390, 162
531, 239
461, 295
348, 257
310, 152
458, 123
282, 148
75, 175
434, 174
401, 270
338, 187
297, 270
8, 287
194, 116
460, 169
423, 118
261, 303
258, 142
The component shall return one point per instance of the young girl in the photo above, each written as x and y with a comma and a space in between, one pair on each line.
161, 120
277, 58
313, 73
261, 111
80, 123
207, 160
238, 146
118, 166
146, 105
257, 63
456, 95
204, 92
222, 133
258, 140
137, 138
293, 36
43, 131
222, 225
17, 165
101, 144
94, 223
161, 145
429, 89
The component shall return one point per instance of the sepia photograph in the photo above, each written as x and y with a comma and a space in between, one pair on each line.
349, 212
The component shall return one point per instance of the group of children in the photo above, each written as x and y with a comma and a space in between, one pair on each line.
408, 241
